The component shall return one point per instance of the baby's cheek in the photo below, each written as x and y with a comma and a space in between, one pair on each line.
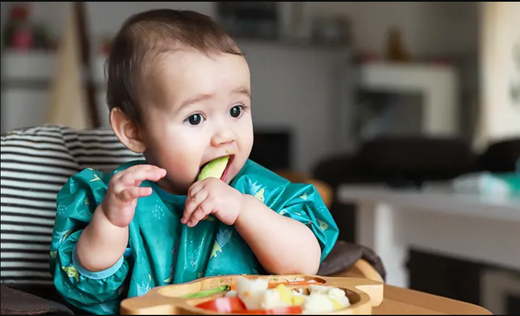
180, 155
178, 162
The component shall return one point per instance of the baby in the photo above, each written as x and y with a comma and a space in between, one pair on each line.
179, 91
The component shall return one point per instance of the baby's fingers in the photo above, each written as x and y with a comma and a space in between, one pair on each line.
192, 202
200, 213
132, 193
139, 173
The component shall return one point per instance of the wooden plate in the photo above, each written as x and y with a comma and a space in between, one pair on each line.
167, 300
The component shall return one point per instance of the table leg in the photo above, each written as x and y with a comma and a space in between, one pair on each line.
378, 227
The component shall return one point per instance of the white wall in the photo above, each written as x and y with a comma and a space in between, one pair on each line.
294, 86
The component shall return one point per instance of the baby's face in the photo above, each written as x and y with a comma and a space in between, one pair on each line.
198, 109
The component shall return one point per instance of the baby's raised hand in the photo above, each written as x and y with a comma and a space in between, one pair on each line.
123, 191
211, 196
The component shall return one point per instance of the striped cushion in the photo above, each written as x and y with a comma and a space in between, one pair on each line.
35, 163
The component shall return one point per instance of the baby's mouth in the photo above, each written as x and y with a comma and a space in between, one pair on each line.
226, 171
223, 177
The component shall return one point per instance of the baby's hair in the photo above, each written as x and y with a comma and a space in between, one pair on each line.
150, 34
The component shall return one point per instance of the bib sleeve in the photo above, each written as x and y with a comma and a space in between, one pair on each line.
95, 292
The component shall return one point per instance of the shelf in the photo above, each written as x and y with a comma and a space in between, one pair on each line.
405, 77
437, 84
33, 65
26, 82
30, 84
291, 44
35, 69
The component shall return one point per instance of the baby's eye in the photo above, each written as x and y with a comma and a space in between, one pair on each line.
235, 111
195, 119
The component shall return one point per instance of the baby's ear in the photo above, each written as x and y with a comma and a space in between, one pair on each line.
126, 131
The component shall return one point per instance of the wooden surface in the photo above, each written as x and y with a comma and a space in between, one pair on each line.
403, 301
409, 302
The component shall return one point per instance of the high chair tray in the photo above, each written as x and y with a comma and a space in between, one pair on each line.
363, 294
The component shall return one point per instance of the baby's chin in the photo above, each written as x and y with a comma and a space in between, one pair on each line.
174, 187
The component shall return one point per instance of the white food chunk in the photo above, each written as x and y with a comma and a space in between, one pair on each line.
251, 292
331, 292
231, 293
272, 299
317, 303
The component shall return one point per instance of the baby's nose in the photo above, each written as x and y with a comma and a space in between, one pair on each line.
223, 136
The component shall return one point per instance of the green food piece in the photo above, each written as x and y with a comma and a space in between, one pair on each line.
214, 168
205, 293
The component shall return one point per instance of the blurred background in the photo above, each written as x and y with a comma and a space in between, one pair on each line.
302, 58
337, 86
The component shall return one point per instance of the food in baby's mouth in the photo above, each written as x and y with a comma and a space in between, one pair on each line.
214, 168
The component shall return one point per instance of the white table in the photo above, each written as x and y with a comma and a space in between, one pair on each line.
390, 221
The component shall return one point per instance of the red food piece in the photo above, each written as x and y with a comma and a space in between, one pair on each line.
235, 305
224, 305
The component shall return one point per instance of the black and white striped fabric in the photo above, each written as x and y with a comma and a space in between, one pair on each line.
35, 163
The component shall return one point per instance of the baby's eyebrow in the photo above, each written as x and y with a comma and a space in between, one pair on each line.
201, 97
193, 100
243, 91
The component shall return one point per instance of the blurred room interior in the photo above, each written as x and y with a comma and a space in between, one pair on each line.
410, 96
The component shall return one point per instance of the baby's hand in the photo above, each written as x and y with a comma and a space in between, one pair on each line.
123, 191
211, 196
